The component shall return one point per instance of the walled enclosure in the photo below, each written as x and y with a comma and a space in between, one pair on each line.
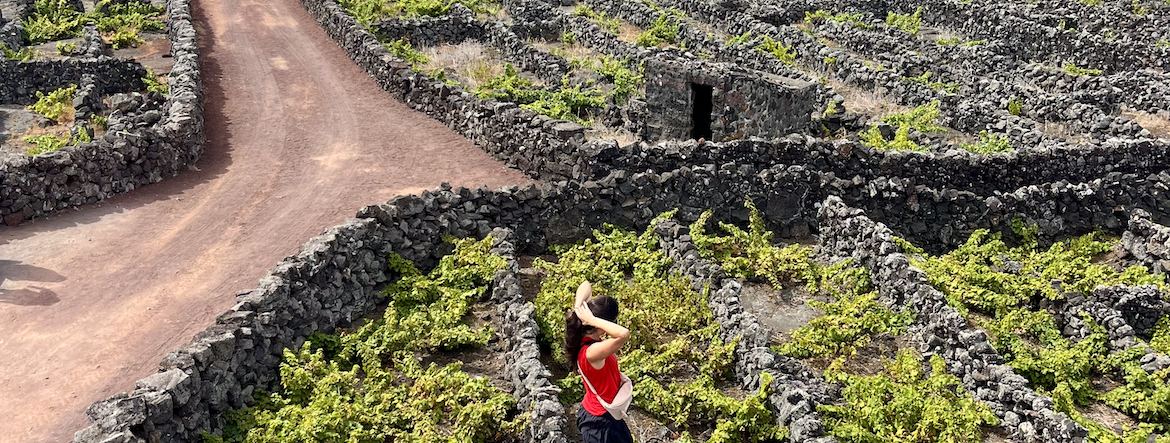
802, 185
716, 102
149, 138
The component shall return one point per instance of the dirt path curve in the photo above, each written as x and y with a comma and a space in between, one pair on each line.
299, 139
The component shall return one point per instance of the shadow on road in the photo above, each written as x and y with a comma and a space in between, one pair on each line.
30, 295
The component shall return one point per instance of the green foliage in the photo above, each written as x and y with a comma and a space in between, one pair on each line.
1161, 336
741, 39
905, 404
923, 118
924, 79
663, 30
368, 386
607, 23
1015, 106
989, 143
66, 49
820, 14
568, 38
82, 136
45, 143
56, 105
908, 23
570, 102
1138, 9
401, 48
1162, 43
626, 81
750, 254
948, 41
52, 20
22, 55
850, 320
830, 110
1004, 284
120, 24
1092, 2
1072, 69
98, 122
369, 11
782, 52
674, 354
873, 138
156, 83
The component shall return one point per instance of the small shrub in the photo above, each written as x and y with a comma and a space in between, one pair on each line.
607, 23
1092, 2
626, 82
66, 49
989, 144
82, 136
779, 50
99, 122
45, 143
830, 110
124, 38
56, 105
924, 79
821, 14
907, 23
1015, 107
1072, 69
156, 83
401, 48
1162, 43
949, 41
740, 39
22, 55
568, 38
924, 119
664, 30
1138, 9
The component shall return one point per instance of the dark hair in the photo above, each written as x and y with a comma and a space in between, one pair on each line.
602, 307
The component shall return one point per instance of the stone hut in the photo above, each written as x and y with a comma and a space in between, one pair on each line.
690, 99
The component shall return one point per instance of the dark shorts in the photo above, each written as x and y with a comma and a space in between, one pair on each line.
603, 429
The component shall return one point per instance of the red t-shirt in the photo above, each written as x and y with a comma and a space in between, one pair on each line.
607, 380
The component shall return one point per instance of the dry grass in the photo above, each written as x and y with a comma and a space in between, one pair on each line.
627, 32
601, 132
1060, 130
567, 51
864, 102
469, 63
1158, 126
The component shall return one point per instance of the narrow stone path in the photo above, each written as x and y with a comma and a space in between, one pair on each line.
299, 138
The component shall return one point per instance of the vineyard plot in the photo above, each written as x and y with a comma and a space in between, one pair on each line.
1077, 330
428, 369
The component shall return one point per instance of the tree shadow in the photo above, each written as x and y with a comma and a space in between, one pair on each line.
30, 295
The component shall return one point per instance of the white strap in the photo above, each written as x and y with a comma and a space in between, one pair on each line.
591, 388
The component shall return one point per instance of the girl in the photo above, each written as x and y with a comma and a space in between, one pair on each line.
594, 358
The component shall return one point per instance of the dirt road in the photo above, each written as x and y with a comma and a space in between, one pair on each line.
299, 139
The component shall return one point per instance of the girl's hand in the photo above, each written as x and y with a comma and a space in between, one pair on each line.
584, 293
585, 315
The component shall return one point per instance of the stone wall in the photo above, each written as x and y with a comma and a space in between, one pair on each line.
22, 80
1147, 242
150, 137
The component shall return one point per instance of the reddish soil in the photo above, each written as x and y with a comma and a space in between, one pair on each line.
299, 139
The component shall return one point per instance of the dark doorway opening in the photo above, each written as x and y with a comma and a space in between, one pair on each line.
701, 113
